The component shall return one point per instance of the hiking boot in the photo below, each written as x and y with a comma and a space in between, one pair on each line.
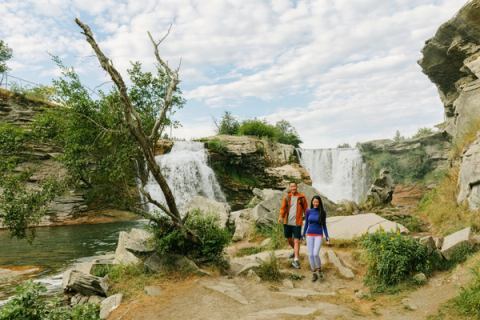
296, 264
321, 276
292, 255
314, 276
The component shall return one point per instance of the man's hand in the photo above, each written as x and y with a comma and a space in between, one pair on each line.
280, 220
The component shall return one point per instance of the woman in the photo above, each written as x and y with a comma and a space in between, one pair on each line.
315, 229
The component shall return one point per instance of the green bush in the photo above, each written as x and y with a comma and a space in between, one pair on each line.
275, 233
269, 270
228, 124
258, 128
213, 239
393, 258
217, 146
30, 304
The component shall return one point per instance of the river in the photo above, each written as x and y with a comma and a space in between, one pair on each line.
55, 248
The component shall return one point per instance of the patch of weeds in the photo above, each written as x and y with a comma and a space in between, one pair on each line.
129, 279
249, 251
269, 270
275, 233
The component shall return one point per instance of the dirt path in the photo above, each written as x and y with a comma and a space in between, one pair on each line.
246, 298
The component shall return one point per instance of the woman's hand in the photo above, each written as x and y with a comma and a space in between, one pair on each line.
328, 241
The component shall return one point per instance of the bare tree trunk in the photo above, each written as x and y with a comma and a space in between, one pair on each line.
133, 121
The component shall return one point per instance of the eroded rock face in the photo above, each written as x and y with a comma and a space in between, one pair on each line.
469, 178
242, 163
381, 191
451, 59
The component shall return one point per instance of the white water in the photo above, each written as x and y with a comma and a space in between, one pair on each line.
339, 174
187, 172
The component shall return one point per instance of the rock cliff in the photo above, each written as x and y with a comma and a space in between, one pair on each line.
41, 158
451, 59
242, 163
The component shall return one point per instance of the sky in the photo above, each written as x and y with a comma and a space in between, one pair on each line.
340, 71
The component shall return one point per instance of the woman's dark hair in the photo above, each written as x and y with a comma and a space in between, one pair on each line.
322, 217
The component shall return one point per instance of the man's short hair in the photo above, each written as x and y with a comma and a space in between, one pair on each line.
292, 182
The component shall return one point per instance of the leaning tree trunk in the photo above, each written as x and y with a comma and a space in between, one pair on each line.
133, 121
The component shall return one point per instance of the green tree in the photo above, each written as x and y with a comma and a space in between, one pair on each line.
287, 133
228, 124
422, 132
398, 136
5, 55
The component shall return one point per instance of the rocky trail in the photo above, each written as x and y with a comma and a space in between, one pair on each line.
245, 296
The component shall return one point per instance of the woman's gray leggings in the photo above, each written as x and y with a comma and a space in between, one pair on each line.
314, 243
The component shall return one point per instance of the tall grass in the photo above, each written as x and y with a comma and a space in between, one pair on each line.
460, 143
440, 208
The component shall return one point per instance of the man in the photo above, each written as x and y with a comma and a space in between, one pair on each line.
292, 211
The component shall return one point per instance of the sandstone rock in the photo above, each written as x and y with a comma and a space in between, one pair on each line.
161, 264
131, 245
381, 191
428, 242
163, 146
243, 224
420, 278
344, 271
352, 227
210, 206
85, 284
469, 177
109, 304
305, 293
438, 242
288, 173
287, 283
266, 242
253, 276
450, 60
228, 289
455, 240
153, 291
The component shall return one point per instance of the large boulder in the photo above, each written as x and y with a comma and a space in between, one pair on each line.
133, 245
210, 206
75, 281
381, 191
469, 178
267, 211
451, 60
167, 263
109, 304
243, 222
454, 241
287, 173
353, 227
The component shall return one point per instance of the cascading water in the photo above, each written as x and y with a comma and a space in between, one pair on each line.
187, 172
339, 174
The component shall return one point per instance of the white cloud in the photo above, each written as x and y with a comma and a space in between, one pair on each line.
351, 63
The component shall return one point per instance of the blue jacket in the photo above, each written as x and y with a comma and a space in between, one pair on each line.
313, 225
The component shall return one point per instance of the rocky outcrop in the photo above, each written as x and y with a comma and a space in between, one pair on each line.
427, 153
455, 241
451, 59
40, 159
381, 191
75, 281
209, 206
133, 245
469, 177
242, 163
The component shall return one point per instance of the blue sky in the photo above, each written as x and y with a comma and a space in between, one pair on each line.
338, 70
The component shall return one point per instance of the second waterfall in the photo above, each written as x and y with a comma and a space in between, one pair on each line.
339, 174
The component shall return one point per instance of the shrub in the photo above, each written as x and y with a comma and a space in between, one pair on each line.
393, 258
275, 233
217, 146
258, 128
30, 304
422, 132
269, 270
213, 239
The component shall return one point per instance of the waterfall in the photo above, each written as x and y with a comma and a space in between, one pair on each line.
339, 174
187, 172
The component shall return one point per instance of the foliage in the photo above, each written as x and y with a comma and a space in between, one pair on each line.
218, 146
258, 128
440, 208
393, 258
398, 136
275, 233
468, 301
20, 205
213, 239
412, 166
29, 304
36, 93
422, 132
5, 55
287, 134
269, 270
247, 251
228, 124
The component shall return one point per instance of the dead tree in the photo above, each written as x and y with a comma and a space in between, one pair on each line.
146, 141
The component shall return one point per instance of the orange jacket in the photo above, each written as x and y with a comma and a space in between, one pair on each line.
302, 206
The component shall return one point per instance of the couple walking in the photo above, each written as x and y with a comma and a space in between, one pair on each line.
294, 208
